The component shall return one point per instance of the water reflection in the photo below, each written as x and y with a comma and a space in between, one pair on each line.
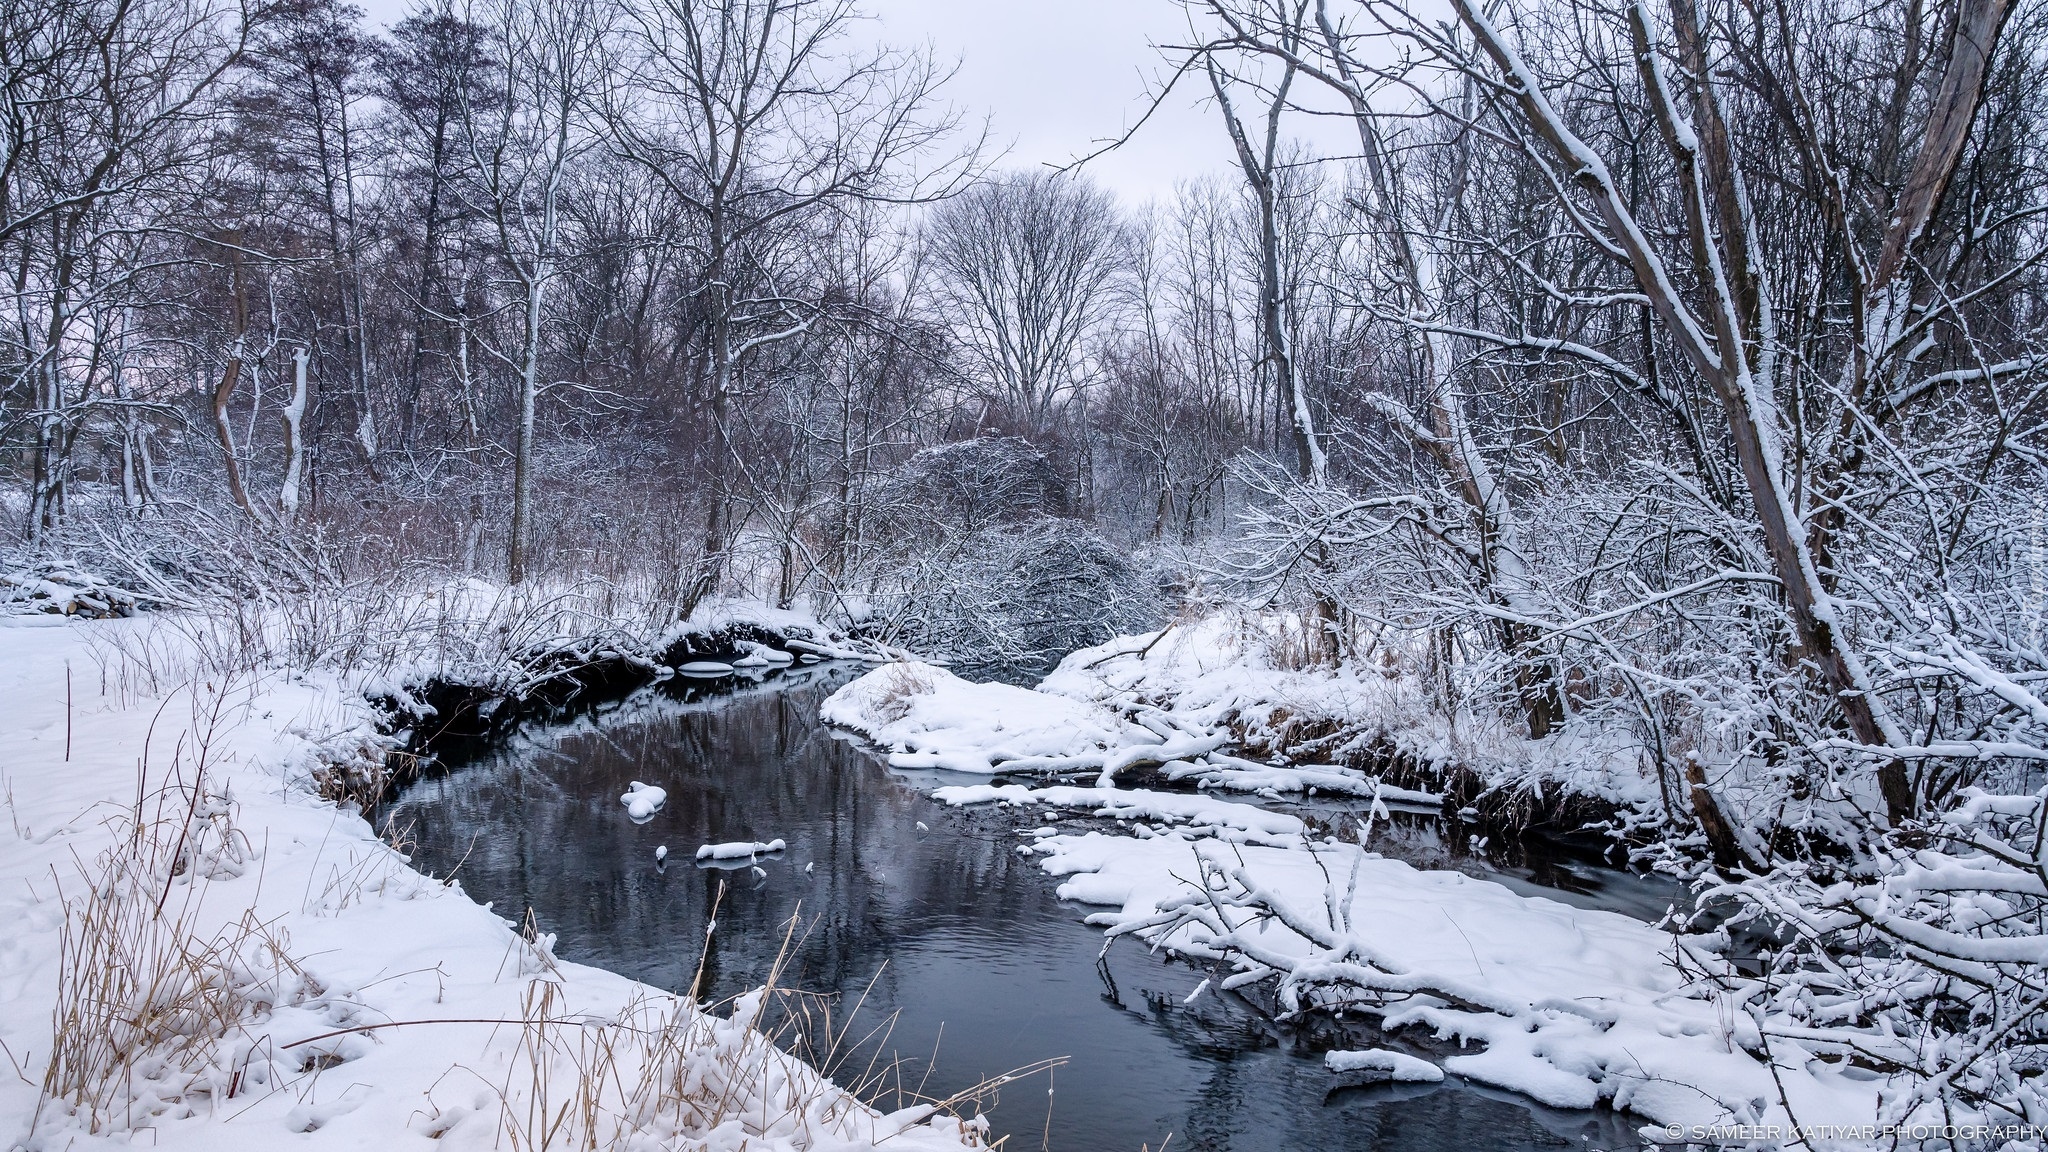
949, 929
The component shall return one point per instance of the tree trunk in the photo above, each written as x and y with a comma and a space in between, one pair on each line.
522, 450
224, 391
293, 417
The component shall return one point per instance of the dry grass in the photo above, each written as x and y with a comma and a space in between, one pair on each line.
899, 694
155, 992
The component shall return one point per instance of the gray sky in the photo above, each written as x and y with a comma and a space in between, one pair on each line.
1056, 79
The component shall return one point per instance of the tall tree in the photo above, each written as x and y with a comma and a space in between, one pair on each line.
525, 133
1023, 265
760, 118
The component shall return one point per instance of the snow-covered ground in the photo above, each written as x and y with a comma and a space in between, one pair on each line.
1573, 1007
289, 980
1224, 671
928, 718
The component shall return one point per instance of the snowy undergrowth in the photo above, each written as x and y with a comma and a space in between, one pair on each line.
203, 948
1231, 671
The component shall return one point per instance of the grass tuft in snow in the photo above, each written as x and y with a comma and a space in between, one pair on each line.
155, 990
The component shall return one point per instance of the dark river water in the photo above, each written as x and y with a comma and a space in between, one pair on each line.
965, 955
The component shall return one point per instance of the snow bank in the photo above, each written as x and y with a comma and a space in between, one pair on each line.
1221, 671
1239, 823
1238, 775
373, 1007
929, 718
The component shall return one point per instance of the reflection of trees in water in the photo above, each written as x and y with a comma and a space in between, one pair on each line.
548, 832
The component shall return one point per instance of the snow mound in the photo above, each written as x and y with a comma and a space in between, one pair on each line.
739, 849
1397, 1065
762, 656
642, 801
930, 718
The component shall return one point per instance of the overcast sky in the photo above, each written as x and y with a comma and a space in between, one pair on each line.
1056, 79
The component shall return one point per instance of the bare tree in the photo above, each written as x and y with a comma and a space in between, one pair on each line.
524, 138
1023, 265
1725, 330
757, 121
1262, 162
104, 106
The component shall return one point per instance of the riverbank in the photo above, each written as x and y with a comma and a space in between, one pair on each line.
1573, 1008
953, 957
216, 954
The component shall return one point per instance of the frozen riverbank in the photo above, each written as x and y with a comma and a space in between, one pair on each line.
239, 963
1574, 1008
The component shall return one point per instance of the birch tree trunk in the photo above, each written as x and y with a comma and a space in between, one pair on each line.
224, 391
293, 418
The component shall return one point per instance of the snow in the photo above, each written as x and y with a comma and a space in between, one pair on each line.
762, 656
932, 719
419, 981
1397, 1065
1572, 1007
929, 718
642, 801
1221, 771
1220, 671
705, 668
739, 849
1569, 1006
1241, 823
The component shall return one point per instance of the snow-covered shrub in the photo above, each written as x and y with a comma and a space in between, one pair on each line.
1924, 968
1016, 597
968, 484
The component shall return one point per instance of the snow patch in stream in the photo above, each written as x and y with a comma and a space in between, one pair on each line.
1397, 1065
642, 801
739, 849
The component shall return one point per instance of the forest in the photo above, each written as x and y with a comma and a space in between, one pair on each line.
1640, 425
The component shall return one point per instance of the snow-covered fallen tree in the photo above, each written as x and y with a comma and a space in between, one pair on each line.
1572, 1007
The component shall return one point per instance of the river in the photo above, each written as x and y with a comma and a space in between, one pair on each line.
964, 961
